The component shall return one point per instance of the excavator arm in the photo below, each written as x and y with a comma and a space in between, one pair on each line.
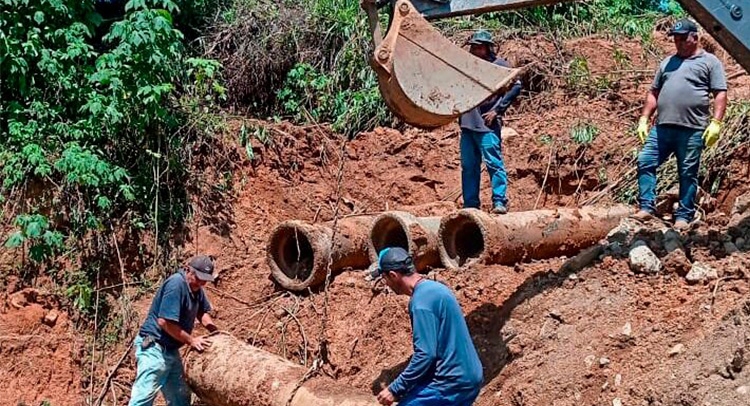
427, 81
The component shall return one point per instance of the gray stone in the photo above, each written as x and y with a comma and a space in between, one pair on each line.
740, 243
627, 329
743, 390
730, 248
643, 260
701, 272
624, 231
603, 361
672, 241
615, 248
676, 350
616, 402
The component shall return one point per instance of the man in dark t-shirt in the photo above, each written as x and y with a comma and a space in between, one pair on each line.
480, 135
168, 326
684, 123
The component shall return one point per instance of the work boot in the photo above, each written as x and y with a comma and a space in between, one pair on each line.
642, 215
681, 225
499, 209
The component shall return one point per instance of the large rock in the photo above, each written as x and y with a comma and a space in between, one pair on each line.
739, 222
643, 260
677, 262
701, 272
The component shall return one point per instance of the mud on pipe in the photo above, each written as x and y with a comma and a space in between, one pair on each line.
234, 373
471, 235
298, 253
417, 235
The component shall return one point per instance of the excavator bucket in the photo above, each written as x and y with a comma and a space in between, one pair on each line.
426, 80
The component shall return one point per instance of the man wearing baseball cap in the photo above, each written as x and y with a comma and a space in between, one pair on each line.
481, 135
169, 324
445, 368
684, 123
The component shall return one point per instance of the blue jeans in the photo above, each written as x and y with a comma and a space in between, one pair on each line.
663, 141
475, 147
426, 396
158, 369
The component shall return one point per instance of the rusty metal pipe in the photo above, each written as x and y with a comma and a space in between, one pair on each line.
417, 235
298, 253
470, 235
234, 373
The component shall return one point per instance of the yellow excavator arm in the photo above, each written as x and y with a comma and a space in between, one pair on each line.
427, 81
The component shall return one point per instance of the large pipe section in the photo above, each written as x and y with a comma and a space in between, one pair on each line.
470, 235
233, 373
298, 253
417, 235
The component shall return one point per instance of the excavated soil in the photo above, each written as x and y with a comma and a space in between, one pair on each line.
548, 333
42, 359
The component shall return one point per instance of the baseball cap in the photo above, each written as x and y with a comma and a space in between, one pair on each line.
393, 259
481, 37
683, 26
203, 266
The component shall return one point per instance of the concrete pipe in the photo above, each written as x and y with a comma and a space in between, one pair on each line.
471, 235
298, 252
417, 235
234, 373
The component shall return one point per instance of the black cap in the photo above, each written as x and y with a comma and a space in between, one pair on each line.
394, 259
683, 26
203, 266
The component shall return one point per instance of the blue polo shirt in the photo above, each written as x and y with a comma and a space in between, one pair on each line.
444, 355
174, 302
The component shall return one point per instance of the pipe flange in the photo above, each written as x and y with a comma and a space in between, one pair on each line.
403, 8
383, 55
736, 12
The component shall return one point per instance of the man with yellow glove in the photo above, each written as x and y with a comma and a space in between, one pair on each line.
680, 95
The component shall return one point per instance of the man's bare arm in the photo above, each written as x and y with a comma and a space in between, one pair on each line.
650, 106
208, 322
720, 104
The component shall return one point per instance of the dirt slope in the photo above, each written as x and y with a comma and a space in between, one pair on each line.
536, 330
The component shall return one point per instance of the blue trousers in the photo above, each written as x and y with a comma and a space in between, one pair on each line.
663, 141
426, 396
158, 370
475, 148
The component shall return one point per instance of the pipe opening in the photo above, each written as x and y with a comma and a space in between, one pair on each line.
293, 253
388, 232
463, 239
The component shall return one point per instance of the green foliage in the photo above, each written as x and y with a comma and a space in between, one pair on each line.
80, 292
34, 229
338, 87
579, 76
247, 133
93, 116
584, 133
630, 17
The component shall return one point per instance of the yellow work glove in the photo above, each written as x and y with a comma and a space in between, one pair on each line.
711, 135
642, 130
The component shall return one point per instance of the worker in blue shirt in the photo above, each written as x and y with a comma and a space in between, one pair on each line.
445, 368
480, 135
